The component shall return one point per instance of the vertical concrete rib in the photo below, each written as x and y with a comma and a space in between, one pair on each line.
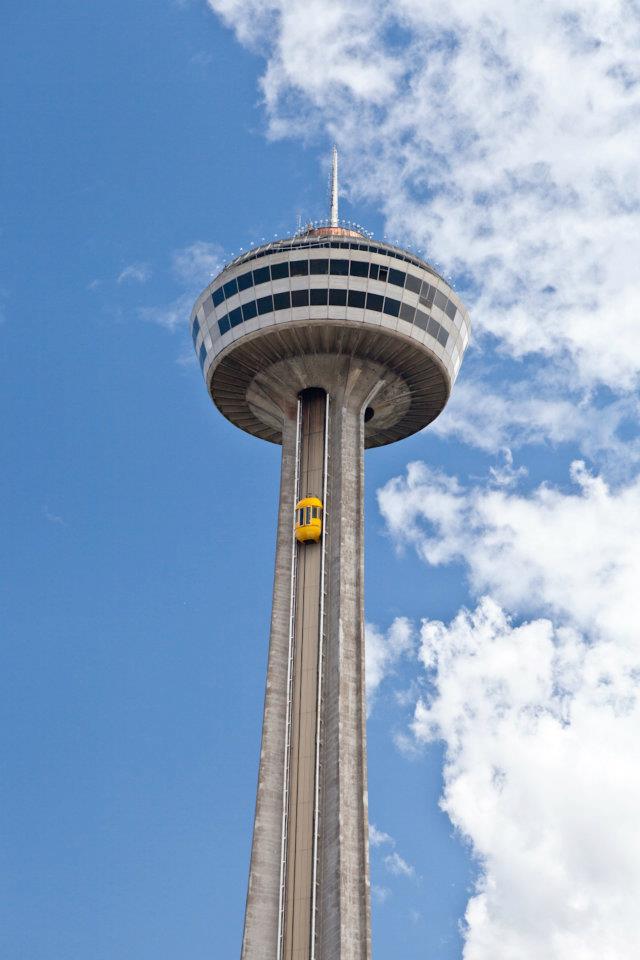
260, 939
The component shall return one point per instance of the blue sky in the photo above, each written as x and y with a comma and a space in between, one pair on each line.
145, 144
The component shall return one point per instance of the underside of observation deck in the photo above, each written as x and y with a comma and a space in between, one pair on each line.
263, 373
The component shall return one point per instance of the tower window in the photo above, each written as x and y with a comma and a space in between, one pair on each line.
195, 331
317, 298
299, 268
397, 277
223, 325
299, 298
443, 336
450, 309
407, 312
261, 275
359, 268
249, 310
235, 317
413, 283
217, 296
374, 302
421, 320
265, 304
427, 294
245, 281
230, 288
340, 267
392, 307
337, 298
281, 301
440, 300
356, 298
279, 271
318, 266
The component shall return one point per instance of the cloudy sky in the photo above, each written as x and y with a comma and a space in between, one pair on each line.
144, 145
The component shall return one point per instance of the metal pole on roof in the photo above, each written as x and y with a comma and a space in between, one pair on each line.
333, 201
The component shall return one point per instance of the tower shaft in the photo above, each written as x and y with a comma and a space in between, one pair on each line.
308, 895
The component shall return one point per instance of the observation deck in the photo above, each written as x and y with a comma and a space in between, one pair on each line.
273, 317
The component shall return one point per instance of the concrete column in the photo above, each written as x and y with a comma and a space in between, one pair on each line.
343, 895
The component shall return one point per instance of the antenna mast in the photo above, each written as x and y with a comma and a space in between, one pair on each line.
333, 206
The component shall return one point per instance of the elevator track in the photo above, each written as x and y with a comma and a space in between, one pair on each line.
302, 795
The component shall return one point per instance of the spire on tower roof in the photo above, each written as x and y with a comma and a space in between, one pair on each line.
333, 195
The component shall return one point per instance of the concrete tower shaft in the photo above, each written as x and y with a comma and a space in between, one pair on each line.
326, 343
315, 690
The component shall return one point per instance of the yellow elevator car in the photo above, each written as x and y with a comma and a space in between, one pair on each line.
308, 520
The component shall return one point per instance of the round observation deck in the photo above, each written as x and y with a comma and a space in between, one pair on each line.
287, 315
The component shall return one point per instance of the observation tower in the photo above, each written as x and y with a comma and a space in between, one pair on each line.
327, 343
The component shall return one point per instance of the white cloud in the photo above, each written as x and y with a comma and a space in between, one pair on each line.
382, 652
378, 838
135, 273
501, 137
380, 894
540, 719
541, 727
193, 266
198, 263
396, 865
573, 554
172, 315
491, 413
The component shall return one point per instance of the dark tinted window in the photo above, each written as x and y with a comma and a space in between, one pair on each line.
245, 281
421, 320
318, 266
382, 273
373, 271
392, 307
359, 268
299, 268
433, 327
223, 324
249, 310
261, 275
279, 271
265, 305
217, 296
450, 309
299, 298
340, 267
202, 356
281, 301
413, 283
427, 294
374, 302
356, 298
195, 331
397, 277
235, 317
317, 298
440, 300
443, 336
338, 298
230, 288
407, 312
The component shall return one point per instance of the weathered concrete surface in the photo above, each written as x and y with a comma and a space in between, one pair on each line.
260, 938
343, 915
